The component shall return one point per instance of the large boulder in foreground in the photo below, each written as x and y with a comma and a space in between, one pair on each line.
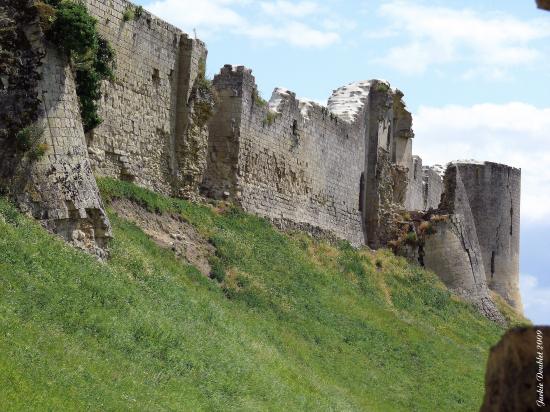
518, 372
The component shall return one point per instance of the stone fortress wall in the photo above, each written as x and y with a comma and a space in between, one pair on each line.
454, 249
474, 244
346, 169
145, 110
288, 160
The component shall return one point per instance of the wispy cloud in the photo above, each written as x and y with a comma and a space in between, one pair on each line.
294, 33
290, 8
431, 35
536, 299
271, 22
190, 14
514, 133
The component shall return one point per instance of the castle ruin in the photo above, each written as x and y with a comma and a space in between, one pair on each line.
344, 170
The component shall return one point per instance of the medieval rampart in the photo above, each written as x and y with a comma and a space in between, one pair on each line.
286, 159
345, 169
145, 109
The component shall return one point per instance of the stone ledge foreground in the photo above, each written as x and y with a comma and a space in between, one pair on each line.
518, 372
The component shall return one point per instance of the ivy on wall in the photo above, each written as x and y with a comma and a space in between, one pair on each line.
68, 24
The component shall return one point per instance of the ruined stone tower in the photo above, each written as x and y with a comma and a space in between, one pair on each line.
452, 248
493, 193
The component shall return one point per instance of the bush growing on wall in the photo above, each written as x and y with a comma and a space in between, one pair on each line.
28, 141
129, 14
205, 96
91, 56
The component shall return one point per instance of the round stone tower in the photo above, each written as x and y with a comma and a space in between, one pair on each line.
493, 192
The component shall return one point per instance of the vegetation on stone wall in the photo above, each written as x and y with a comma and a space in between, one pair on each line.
138, 12
128, 14
132, 13
46, 14
258, 99
414, 230
202, 82
382, 87
74, 30
28, 141
204, 96
270, 117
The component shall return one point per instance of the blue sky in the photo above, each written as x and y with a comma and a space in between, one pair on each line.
476, 75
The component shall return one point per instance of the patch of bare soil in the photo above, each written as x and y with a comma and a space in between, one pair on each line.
169, 231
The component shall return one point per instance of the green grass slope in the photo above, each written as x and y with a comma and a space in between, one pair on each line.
290, 324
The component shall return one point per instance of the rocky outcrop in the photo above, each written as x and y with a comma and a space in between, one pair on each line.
518, 372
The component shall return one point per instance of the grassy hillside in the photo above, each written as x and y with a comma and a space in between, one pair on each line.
290, 323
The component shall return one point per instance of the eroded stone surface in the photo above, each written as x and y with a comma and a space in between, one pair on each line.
454, 254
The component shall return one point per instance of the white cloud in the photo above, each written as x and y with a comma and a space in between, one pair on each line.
339, 24
440, 35
189, 14
490, 73
294, 33
288, 8
536, 299
516, 134
217, 16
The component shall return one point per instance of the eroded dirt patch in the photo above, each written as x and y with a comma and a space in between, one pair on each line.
169, 231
